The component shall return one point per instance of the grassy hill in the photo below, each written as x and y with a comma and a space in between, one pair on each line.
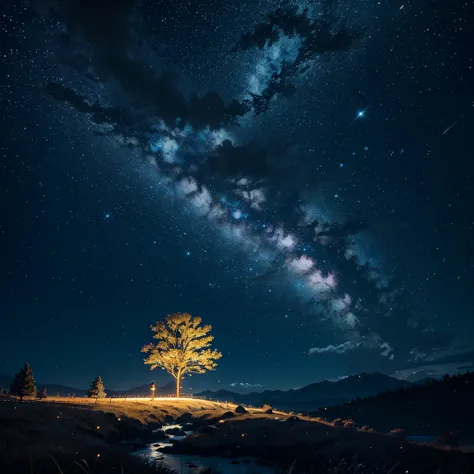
103, 433
434, 408
71, 430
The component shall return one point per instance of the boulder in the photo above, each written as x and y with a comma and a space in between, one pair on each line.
175, 432
208, 430
227, 414
169, 419
240, 409
337, 422
184, 418
154, 425
158, 435
292, 419
268, 412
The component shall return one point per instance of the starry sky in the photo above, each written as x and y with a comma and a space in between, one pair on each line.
299, 174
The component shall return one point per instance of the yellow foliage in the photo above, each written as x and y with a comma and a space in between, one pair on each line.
183, 347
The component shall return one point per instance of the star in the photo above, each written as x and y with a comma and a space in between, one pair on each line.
359, 115
341, 165
107, 215
188, 253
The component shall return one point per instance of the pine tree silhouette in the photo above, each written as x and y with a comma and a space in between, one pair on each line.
97, 389
23, 384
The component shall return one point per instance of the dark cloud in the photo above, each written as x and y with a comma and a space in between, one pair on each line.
119, 119
100, 38
459, 358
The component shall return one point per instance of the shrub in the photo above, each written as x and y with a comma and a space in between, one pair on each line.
350, 424
397, 433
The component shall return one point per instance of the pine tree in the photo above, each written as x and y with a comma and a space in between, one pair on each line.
23, 384
42, 394
97, 389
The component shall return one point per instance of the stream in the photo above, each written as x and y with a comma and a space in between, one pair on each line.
186, 464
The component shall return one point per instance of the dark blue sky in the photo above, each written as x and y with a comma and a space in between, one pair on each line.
316, 242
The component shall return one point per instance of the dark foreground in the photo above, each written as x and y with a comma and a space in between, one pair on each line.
44, 438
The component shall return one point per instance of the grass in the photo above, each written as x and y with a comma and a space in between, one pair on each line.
72, 436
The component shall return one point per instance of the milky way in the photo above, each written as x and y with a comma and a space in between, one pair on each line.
202, 149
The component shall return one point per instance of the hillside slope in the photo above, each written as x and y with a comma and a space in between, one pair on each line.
434, 408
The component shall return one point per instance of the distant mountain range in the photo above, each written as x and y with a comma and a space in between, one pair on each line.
64, 391
315, 395
306, 399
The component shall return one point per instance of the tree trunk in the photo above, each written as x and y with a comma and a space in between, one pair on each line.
178, 386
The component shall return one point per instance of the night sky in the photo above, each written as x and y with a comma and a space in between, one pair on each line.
298, 174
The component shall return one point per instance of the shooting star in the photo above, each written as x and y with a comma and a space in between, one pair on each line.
450, 127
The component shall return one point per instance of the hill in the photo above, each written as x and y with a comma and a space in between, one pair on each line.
315, 395
435, 408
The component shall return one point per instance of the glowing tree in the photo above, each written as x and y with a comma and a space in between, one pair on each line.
97, 389
183, 347
23, 384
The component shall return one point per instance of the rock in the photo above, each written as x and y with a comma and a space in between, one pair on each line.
158, 435
153, 416
337, 422
169, 418
184, 418
292, 419
397, 433
175, 432
227, 414
154, 425
268, 412
189, 427
208, 430
240, 409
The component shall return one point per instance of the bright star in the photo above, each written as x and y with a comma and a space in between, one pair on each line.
107, 216
360, 114
341, 165
188, 253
